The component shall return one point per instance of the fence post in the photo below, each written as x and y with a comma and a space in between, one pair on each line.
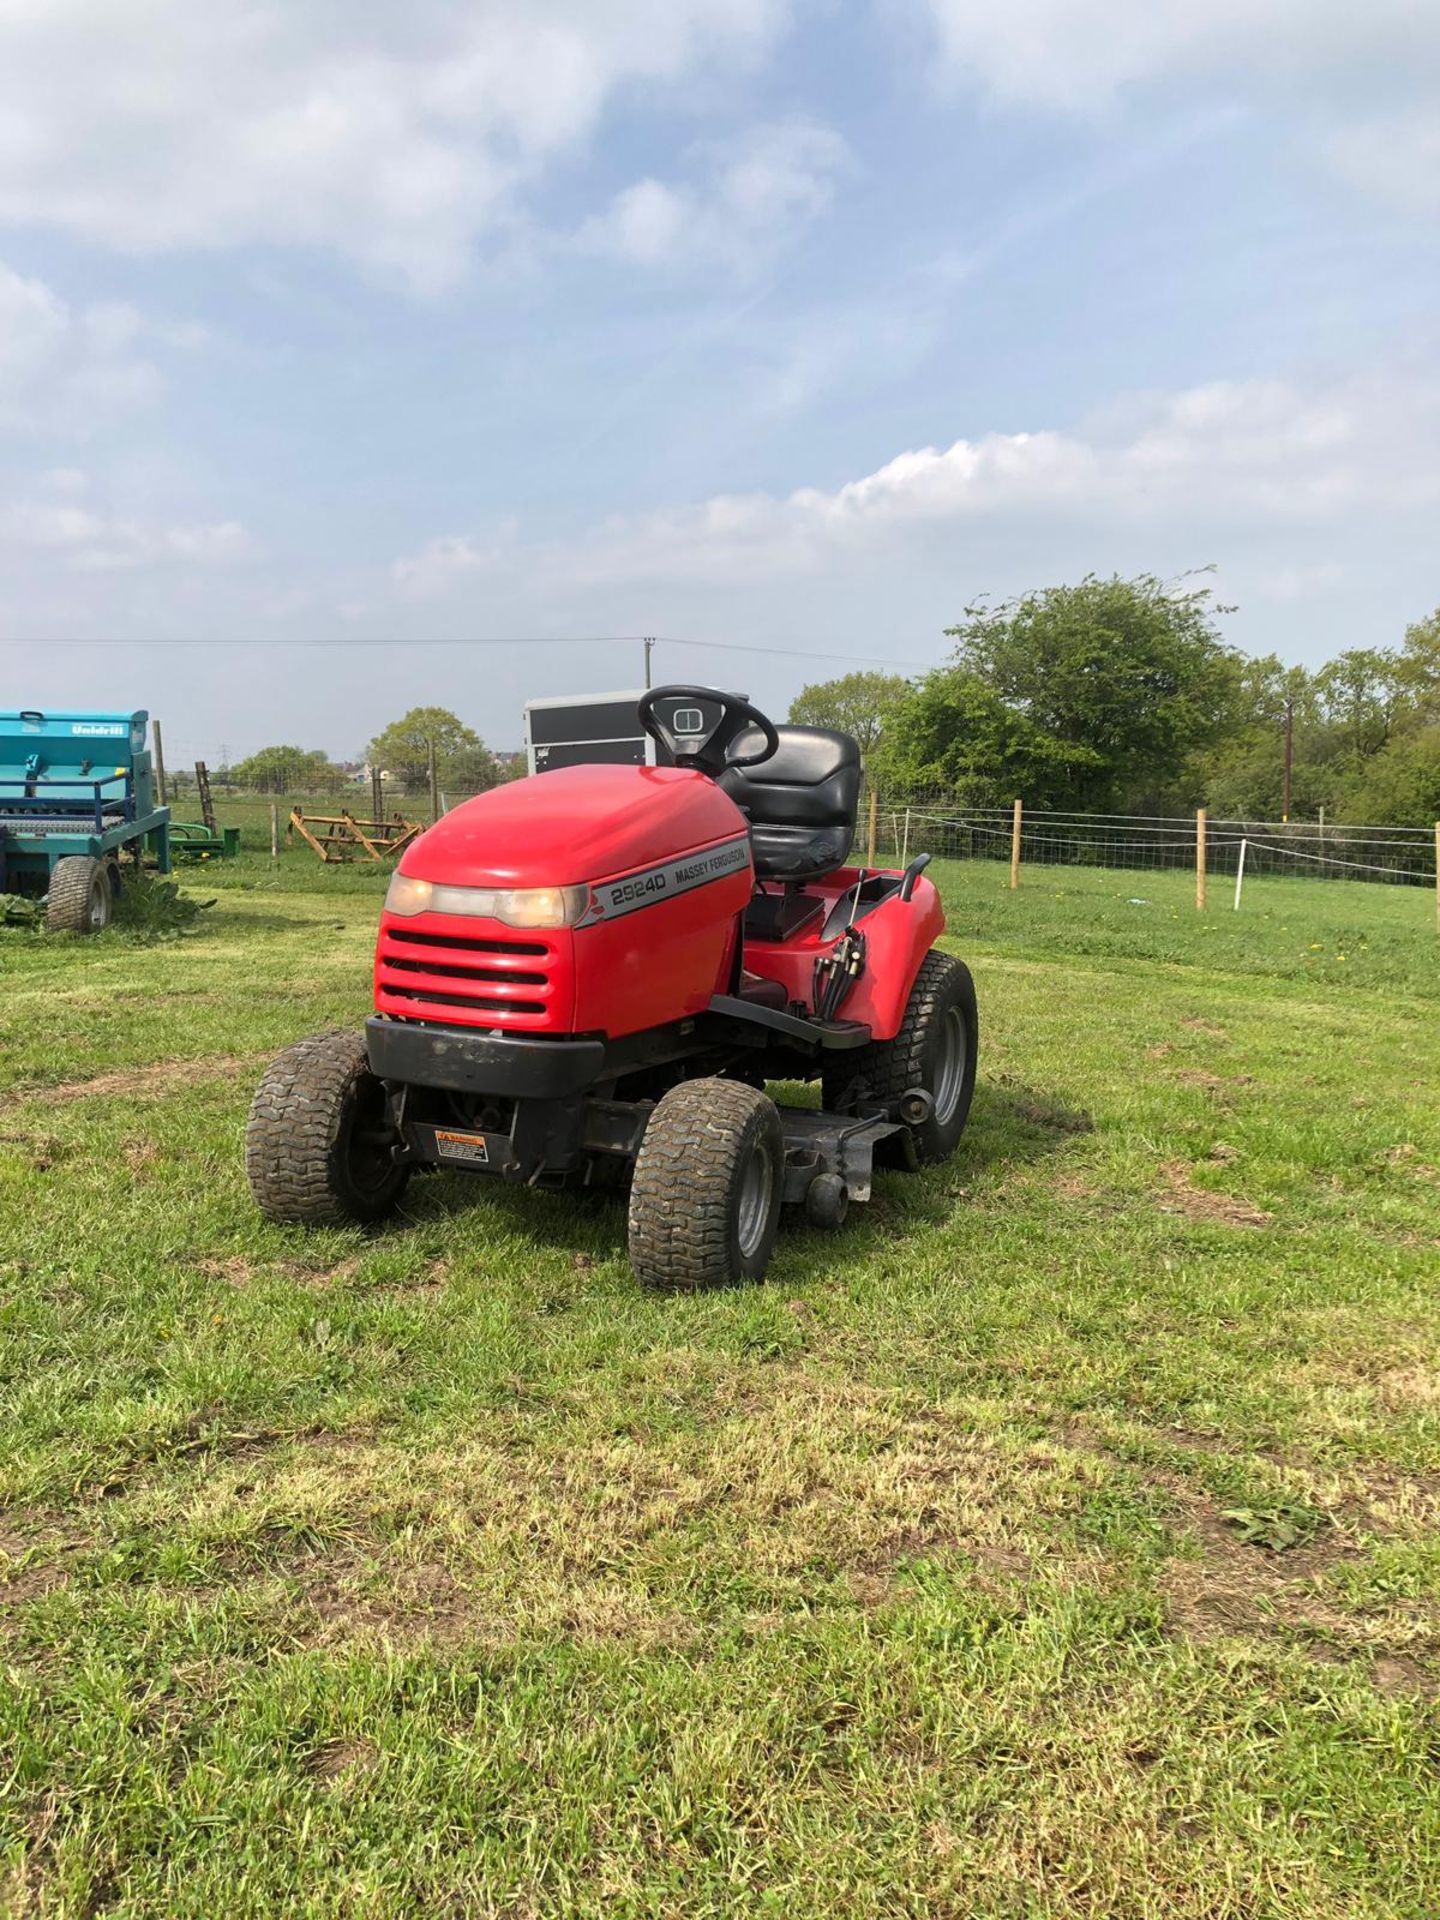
159, 763
1437, 876
1015, 846
1240, 873
274, 830
905, 843
870, 839
434, 785
1200, 860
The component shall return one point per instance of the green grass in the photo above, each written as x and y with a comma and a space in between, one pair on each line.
1062, 1538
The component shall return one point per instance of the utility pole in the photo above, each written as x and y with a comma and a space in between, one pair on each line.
649, 648
1289, 755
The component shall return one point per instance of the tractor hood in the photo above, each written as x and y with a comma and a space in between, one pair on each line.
574, 825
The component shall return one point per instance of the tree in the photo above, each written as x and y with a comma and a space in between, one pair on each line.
1417, 670
858, 703
1243, 776
955, 731
1129, 678
1400, 785
462, 759
1358, 693
287, 770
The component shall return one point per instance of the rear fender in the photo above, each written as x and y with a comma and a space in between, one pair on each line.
898, 935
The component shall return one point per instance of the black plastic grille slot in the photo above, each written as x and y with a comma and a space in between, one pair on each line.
469, 1000
527, 948
440, 969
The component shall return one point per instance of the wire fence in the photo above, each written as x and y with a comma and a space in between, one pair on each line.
931, 823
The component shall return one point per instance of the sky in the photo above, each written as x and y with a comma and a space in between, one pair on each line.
352, 356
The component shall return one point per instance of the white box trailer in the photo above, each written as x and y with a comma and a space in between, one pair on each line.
577, 728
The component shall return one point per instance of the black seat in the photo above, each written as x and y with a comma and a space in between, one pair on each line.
801, 801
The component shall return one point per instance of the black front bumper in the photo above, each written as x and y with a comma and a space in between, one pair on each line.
464, 1060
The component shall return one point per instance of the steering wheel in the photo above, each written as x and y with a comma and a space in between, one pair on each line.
701, 725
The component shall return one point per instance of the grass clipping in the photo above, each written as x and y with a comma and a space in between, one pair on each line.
148, 910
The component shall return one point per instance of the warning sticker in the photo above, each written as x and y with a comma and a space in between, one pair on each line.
462, 1146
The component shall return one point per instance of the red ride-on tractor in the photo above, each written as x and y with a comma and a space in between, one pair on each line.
588, 977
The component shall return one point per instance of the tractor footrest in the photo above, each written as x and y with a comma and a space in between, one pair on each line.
840, 1143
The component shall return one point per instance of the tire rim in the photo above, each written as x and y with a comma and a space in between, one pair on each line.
757, 1184
950, 1063
99, 915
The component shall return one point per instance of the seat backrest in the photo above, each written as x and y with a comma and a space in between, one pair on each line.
801, 801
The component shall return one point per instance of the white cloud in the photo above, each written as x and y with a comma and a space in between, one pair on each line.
746, 198
1077, 53
1214, 462
394, 135
69, 369
56, 525
1364, 81
444, 561
1397, 159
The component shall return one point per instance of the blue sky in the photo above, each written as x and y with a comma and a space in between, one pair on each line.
783, 324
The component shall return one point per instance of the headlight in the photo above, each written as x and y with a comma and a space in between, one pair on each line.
514, 906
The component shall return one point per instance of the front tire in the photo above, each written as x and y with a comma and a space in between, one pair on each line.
82, 897
705, 1200
318, 1140
937, 1049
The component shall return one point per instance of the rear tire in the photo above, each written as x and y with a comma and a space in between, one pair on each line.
937, 1049
317, 1143
705, 1200
82, 898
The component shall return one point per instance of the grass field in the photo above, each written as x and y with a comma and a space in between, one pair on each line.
1062, 1538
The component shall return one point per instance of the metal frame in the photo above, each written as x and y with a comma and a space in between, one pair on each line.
543, 1110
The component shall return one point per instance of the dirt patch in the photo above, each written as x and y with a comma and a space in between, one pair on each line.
140, 1155
32, 1563
1404, 1388
150, 1082
1199, 1203
236, 1270
1397, 1673
1406, 1157
1208, 1028
1235, 1588
340, 1760
42, 1150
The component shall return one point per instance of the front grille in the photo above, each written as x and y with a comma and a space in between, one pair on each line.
429, 997
508, 981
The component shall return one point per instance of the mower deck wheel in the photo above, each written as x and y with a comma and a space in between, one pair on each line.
705, 1200
935, 1051
317, 1143
827, 1201
82, 895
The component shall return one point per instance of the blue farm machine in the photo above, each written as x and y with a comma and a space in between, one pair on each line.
77, 792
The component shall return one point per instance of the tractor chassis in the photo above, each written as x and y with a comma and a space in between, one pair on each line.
547, 1112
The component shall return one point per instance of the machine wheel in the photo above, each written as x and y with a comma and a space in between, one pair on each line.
317, 1143
81, 895
705, 1201
935, 1050
827, 1201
